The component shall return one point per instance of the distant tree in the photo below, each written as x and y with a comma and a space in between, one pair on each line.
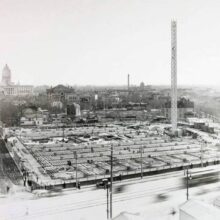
10, 114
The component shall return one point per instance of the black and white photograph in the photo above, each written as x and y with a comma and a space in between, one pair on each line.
109, 110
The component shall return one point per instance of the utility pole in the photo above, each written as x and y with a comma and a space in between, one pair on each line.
107, 188
187, 184
203, 147
63, 133
111, 182
128, 82
128, 95
202, 154
75, 154
141, 162
104, 104
188, 177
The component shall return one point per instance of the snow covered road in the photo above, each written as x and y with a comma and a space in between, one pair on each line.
91, 203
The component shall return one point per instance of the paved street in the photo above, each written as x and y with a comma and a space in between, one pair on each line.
82, 204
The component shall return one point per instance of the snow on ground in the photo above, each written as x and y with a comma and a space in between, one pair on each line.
86, 204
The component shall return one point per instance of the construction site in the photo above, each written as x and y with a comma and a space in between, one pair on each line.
52, 157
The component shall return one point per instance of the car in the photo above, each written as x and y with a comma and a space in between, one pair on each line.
102, 184
162, 197
119, 189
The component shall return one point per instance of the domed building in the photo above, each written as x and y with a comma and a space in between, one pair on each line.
6, 76
142, 85
11, 89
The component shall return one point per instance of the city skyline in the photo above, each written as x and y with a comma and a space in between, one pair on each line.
99, 43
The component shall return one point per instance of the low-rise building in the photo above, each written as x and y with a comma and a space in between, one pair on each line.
32, 116
73, 110
185, 108
61, 93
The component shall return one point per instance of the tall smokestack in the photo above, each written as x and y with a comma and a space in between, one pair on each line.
128, 81
173, 76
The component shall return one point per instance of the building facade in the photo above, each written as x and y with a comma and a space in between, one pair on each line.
11, 89
61, 93
185, 109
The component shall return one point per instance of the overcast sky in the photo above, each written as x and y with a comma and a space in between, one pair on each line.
100, 41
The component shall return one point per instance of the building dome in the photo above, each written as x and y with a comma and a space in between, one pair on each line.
142, 85
6, 71
6, 75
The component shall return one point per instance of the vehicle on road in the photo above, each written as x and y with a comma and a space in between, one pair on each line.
102, 184
200, 176
119, 189
162, 197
